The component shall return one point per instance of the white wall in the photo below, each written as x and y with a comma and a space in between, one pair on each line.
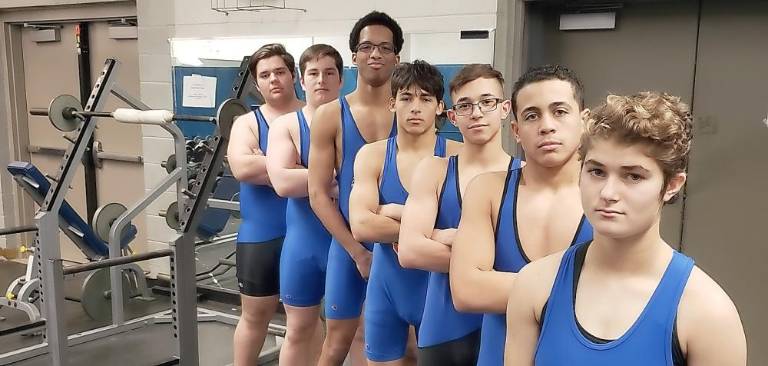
156, 27
432, 33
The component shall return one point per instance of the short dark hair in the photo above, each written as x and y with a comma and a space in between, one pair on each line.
317, 51
270, 50
376, 18
472, 72
548, 72
419, 73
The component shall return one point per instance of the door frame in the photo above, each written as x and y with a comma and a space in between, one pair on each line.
17, 208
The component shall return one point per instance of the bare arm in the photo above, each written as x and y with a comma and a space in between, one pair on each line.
322, 152
522, 322
369, 221
418, 245
247, 162
711, 324
475, 285
288, 178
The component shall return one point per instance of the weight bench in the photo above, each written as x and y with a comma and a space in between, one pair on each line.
22, 293
70, 222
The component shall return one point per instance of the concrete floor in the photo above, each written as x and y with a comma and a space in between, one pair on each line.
149, 345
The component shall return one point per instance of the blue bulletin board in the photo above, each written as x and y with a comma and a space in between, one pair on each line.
225, 77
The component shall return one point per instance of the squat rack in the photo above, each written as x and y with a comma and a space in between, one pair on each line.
192, 200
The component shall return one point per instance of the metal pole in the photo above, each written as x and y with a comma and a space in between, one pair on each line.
84, 67
47, 221
104, 263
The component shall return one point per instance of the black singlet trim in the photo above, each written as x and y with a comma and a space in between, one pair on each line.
501, 202
456, 180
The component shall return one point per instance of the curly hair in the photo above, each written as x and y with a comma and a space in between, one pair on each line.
660, 121
376, 18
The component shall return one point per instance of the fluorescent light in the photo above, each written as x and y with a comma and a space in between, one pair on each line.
583, 21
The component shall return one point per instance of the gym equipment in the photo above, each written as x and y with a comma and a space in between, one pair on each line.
22, 292
192, 198
66, 113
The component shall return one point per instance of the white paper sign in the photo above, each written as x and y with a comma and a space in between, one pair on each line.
199, 91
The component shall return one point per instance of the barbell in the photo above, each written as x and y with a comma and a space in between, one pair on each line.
65, 113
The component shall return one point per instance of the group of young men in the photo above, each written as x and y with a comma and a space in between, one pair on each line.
428, 241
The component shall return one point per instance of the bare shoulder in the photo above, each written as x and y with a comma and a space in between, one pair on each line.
487, 184
431, 171
289, 121
708, 323
372, 154
373, 149
536, 279
327, 118
704, 300
452, 147
329, 111
248, 119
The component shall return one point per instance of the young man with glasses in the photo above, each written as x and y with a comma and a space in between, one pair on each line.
339, 131
511, 218
431, 214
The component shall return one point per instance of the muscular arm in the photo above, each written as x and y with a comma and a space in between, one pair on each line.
475, 285
322, 153
288, 178
529, 292
418, 245
709, 324
368, 221
247, 162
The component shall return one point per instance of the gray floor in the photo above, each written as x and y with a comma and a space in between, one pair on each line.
149, 345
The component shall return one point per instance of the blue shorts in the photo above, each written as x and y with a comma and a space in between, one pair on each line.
344, 286
395, 302
303, 269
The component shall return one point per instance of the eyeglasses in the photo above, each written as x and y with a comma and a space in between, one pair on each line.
485, 106
384, 48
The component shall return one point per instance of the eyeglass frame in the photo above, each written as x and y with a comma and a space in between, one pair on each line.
495, 106
375, 46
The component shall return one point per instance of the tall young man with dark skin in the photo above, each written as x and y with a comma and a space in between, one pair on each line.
340, 129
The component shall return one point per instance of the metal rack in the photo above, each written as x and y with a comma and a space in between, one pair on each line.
228, 6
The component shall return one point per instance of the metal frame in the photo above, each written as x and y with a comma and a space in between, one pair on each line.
51, 273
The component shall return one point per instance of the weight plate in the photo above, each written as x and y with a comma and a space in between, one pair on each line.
104, 217
228, 111
59, 112
172, 216
170, 163
95, 297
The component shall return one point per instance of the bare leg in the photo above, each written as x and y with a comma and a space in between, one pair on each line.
338, 339
304, 338
251, 330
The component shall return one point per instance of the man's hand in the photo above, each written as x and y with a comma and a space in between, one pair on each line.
444, 236
392, 210
363, 262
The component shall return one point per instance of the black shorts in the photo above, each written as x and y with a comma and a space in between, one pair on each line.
258, 267
458, 352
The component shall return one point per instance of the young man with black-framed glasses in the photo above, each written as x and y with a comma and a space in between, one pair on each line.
431, 215
339, 131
